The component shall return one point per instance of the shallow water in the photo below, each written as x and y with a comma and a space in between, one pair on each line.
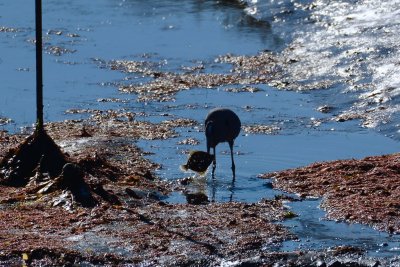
317, 233
298, 143
183, 34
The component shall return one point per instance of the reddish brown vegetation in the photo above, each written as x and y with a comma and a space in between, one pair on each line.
364, 191
127, 222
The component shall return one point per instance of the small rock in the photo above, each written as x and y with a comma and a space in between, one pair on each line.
148, 175
268, 185
106, 195
141, 194
185, 181
134, 193
324, 109
197, 198
72, 173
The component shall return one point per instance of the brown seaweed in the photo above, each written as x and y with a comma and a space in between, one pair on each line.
38, 150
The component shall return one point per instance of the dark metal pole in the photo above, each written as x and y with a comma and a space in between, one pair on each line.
39, 66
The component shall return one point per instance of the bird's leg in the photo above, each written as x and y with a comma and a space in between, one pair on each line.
214, 162
233, 162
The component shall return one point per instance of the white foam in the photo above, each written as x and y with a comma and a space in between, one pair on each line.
354, 44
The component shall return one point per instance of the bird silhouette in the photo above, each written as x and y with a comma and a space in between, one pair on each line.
221, 125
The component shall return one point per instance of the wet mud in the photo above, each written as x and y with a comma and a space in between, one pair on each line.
44, 223
363, 191
128, 221
38, 153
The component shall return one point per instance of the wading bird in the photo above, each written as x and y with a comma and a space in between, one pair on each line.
221, 125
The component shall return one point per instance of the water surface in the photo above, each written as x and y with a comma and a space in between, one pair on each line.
180, 33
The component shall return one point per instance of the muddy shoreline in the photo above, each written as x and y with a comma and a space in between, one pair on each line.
131, 224
363, 191
42, 223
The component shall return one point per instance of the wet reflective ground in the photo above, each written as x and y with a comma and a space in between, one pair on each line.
80, 33
298, 143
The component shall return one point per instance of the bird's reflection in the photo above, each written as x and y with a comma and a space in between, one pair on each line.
214, 186
198, 185
232, 188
